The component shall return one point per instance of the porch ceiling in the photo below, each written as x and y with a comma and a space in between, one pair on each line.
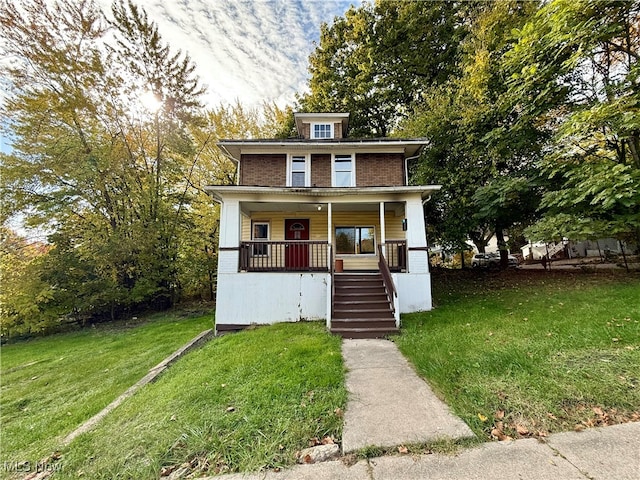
248, 207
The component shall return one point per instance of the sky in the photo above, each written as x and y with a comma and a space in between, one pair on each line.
251, 51
247, 50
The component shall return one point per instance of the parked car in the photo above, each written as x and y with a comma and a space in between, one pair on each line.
492, 260
485, 260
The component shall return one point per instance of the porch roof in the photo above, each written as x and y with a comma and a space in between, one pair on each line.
303, 194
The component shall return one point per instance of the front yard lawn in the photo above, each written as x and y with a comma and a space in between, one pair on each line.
519, 354
243, 402
51, 385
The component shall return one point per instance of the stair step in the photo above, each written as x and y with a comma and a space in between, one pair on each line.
360, 290
363, 323
343, 314
364, 332
360, 297
357, 302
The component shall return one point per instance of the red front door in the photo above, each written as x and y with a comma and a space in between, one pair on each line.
297, 256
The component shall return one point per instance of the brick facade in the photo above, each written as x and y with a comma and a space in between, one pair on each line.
321, 170
337, 130
372, 170
379, 169
264, 170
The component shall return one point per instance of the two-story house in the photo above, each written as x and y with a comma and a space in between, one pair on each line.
322, 226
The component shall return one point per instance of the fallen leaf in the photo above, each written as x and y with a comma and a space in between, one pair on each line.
307, 459
598, 411
499, 414
338, 412
327, 441
166, 471
403, 450
482, 417
551, 416
499, 434
522, 430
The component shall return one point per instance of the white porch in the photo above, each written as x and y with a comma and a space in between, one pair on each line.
257, 281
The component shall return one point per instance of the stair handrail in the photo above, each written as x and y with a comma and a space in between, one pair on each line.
389, 286
333, 284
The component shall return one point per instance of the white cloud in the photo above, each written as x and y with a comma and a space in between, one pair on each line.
249, 50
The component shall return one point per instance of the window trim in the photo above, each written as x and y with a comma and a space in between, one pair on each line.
355, 253
254, 247
353, 168
313, 133
307, 168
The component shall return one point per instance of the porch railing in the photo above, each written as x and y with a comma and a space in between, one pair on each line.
284, 256
389, 286
396, 254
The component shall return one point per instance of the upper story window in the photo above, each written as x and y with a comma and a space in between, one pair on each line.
343, 171
321, 130
298, 171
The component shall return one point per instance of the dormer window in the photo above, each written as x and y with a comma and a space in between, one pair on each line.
321, 130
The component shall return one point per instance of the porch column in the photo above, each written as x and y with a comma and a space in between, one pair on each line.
329, 279
383, 233
329, 222
417, 254
229, 246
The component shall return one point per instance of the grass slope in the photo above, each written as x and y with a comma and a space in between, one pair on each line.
243, 402
53, 384
525, 354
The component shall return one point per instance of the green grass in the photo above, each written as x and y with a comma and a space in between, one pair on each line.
53, 384
538, 353
243, 402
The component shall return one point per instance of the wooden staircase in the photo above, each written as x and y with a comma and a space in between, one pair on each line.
361, 307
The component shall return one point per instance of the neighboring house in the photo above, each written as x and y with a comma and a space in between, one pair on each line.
322, 227
573, 249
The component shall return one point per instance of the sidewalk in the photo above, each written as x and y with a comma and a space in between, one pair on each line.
607, 453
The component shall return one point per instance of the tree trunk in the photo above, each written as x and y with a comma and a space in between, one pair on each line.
502, 247
624, 256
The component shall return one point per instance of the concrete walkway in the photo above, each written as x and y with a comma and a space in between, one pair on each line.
389, 404
605, 453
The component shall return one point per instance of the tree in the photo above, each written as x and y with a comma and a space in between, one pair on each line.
103, 154
484, 171
581, 69
378, 59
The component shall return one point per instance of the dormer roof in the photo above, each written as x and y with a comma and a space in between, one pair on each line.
303, 119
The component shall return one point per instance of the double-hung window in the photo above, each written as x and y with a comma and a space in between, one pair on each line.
298, 174
260, 232
355, 240
343, 171
321, 130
